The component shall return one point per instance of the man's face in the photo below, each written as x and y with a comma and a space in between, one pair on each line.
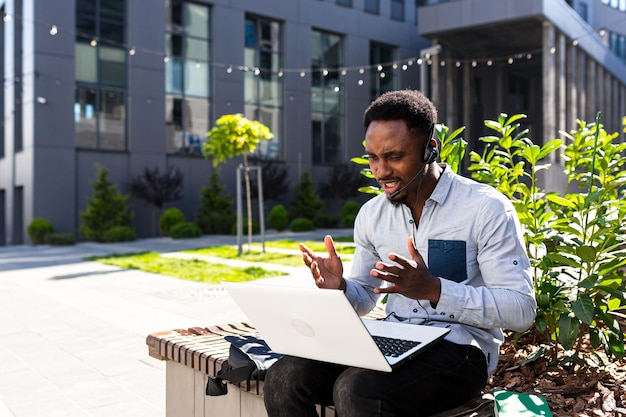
395, 156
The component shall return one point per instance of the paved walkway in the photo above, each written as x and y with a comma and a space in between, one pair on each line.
73, 332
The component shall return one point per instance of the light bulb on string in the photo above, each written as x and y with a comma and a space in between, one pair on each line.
54, 30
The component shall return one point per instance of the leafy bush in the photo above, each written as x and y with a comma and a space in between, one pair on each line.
348, 213
170, 218
38, 229
575, 240
185, 230
301, 224
327, 220
119, 234
278, 218
306, 202
106, 209
60, 239
216, 214
156, 188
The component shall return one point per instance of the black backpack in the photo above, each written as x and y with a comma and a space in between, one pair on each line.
249, 357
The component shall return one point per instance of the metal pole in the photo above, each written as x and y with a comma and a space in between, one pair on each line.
239, 213
261, 213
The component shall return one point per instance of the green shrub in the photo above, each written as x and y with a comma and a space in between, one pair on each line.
326, 220
60, 239
185, 230
106, 209
301, 224
256, 228
278, 218
348, 213
216, 214
170, 218
38, 229
306, 202
119, 234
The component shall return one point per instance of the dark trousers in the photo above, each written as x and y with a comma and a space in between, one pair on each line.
443, 377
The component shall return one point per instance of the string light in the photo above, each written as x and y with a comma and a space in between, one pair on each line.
403, 64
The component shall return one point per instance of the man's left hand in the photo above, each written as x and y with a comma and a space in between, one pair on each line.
410, 277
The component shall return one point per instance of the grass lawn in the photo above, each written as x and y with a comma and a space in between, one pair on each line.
193, 270
214, 273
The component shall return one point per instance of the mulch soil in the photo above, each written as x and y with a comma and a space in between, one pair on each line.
584, 391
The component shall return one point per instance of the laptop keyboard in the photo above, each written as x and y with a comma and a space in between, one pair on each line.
394, 347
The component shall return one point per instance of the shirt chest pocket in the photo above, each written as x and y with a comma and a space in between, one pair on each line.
447, 259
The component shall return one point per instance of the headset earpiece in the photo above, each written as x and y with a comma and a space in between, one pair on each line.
431, 152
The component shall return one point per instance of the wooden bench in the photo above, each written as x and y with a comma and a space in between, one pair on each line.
194, 354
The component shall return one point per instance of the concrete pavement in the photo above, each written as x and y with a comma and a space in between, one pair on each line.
73, 332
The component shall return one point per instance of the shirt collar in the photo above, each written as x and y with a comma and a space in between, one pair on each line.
442, 189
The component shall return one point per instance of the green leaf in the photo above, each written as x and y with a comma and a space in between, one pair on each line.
568, 331
561, 201
563, 260
586, 253
584, 308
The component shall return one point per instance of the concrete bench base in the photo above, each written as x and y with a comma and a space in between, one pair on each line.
194, 354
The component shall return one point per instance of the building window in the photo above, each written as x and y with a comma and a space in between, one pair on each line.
382, 72
372, 6
397, 10
99, 106
187, 76
346, 3
327, 97
263, 92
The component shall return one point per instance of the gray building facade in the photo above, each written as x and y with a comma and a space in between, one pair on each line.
136, 84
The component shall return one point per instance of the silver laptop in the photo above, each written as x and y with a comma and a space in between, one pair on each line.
322, 325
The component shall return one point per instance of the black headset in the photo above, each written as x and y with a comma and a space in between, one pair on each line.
431, 152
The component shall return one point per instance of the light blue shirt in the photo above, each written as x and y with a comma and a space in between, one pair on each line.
469, 236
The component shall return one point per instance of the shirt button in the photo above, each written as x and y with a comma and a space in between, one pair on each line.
442, 313
415, 310
411, 221
451, 316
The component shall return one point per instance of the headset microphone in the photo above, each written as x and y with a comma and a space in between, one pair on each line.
408, 184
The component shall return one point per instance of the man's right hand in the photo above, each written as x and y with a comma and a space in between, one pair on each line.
327, 271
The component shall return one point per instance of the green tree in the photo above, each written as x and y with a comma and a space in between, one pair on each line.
215, 214
234, 135
106, 209
306, 202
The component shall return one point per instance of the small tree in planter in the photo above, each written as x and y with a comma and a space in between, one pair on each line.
234, 135
158, 189
106, 209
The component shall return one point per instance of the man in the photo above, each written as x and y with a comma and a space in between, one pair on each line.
448, 252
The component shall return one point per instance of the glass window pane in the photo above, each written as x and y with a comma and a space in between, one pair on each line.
332, 140
85, 28
270, 117
251, 34
86, 7
174, 123
174, 76
85, 63
85, 118
113, 9
112, 32
174, 15
112, 120
173, 45
196, 20
197, 49
112, 66
197, 78
196, 123
251, 87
